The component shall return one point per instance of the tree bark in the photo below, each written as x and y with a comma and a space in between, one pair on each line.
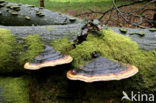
146, 42
13, 14
47, 33
41, 3
154, 19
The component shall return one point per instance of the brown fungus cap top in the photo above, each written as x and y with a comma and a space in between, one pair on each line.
48, 58
102, 69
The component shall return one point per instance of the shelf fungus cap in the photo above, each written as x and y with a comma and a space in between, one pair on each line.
48, 58
102, 69
2, 1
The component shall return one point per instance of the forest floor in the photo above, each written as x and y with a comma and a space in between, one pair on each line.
74, 8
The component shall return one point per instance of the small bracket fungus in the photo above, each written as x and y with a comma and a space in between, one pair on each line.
27, 17
16, 8
102, 69
152, 29
9, 6
48, 58
39, 14
72, 19
32, 6
2, 5
139, 33
123, 30
14, 13
2, 1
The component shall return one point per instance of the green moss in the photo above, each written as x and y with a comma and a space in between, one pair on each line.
116, 47
14, 90
32, 47
13, 54
64, 45
7, 43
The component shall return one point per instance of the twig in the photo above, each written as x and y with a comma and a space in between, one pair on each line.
145, 5
109, 18
147, 10
121, 14
113, 8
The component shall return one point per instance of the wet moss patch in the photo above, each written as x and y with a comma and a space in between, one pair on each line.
32, 47
14, 53
7, 44
64, 45
14, 90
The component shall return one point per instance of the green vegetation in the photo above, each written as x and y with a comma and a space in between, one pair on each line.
71, 5
33, 47
14, 90
62, 45
7, 43
14, 53
116, 47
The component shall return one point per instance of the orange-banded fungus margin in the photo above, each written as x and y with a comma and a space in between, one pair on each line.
48, 58
102, 69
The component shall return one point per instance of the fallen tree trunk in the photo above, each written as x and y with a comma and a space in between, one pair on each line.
144, 37
51, 84
48, 33
12, 14
72, 31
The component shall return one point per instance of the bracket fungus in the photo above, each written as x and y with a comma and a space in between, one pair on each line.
27, 17
14, 13
2, 1
39, 16
102, 69
152, 29
48, 58
123, 30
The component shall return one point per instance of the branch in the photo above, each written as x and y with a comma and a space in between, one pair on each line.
113, 8
147, 10
124, 5
121, 14
146, 5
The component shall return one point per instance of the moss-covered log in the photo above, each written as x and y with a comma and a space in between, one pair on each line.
19, 44
110, 45
15, 51
13, 14
146, 41
50, 85
57, 88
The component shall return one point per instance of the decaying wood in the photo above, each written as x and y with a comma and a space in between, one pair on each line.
12, 14
47, 33
146, 41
